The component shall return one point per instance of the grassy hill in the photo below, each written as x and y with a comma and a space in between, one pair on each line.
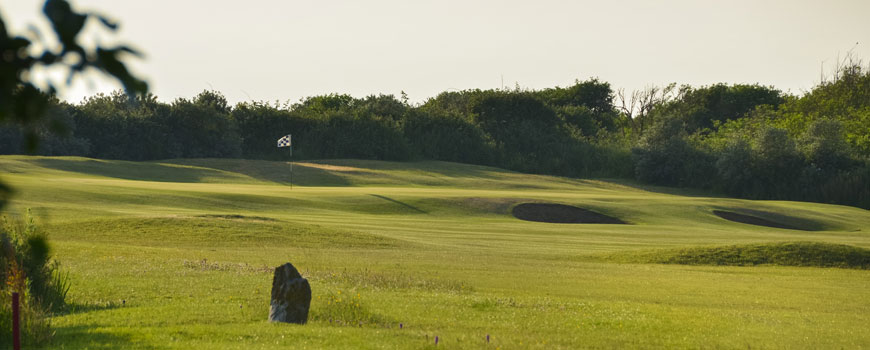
178, 254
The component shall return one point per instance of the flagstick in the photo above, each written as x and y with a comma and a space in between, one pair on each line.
286, 141
16, 327
291, 167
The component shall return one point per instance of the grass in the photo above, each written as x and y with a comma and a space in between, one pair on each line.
179, 254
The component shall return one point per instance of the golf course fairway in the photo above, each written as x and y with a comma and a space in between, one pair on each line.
179, 254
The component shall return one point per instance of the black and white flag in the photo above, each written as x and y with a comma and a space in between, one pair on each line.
284, 141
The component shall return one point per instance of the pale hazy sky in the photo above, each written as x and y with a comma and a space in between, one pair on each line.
285, 50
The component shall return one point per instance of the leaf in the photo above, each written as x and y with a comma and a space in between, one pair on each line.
66, 23
107, 22
3, 34
47, 58
107, 60
35, 31
127, 49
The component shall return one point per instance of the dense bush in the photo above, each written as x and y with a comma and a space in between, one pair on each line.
664, 156
118, 129
261, 125
202, 127
52, 135
811, 148
701, 108
824, 146
527, 134
734, 169
586, 105
447, 137
26, 267
343, 135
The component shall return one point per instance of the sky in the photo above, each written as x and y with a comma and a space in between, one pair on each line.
283, 50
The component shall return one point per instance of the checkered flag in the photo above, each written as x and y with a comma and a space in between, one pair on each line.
284, 142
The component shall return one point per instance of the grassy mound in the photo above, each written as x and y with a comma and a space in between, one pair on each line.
808, 254
560, 214
216, 231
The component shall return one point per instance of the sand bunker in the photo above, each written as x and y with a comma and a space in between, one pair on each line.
754, 220
561, 214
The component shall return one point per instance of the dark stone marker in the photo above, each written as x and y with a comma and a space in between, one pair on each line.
291, 296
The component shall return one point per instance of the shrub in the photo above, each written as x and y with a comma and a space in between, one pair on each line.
825, 147
26, 267
203, 127
779, 163
343, 135
734, 168
664, 156
447, 137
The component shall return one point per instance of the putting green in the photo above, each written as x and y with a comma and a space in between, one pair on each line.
177, 254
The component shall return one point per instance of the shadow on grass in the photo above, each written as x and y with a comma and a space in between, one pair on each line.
197, 170
89, 337
77, 308
140, 171
769, 219
406, 205
330, 173
270, 171
340, 172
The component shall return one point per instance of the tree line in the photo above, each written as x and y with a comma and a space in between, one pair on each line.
743, 140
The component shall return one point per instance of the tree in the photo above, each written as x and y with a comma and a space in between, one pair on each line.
700, 108
587, 105
527, 133
664, 156
637, 108
779, 162
734, 168
203, 127
825, 147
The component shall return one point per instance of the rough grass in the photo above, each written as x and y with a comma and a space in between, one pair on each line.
345, 308
804, 254
389, 281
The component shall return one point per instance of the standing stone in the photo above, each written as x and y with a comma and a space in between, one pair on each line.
291, 296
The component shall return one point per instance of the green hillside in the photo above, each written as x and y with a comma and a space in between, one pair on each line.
178, 254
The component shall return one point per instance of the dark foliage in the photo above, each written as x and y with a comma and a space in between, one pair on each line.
586, 105
27, 268
448, 137
702, 108
664, 157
